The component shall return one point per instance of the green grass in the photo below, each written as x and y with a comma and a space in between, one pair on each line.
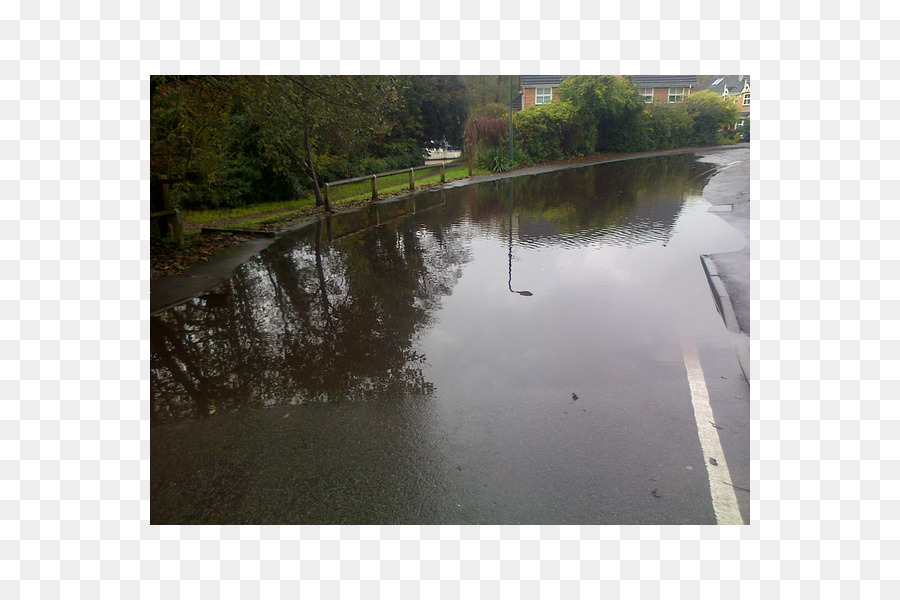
255, 215
202, 217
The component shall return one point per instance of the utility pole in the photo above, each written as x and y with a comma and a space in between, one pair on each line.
511, 79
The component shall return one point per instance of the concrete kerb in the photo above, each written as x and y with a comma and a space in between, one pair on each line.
728, 273
726, 310
170, 291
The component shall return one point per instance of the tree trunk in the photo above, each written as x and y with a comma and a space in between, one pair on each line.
320, 201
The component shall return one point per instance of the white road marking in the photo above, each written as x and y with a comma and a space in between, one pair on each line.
720, 487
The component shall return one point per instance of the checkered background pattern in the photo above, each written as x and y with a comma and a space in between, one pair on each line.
74, 344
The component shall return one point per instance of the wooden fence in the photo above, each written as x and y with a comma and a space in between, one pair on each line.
331, 185
166, 220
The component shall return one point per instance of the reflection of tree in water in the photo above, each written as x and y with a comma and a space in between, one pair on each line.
314, 322
636, 201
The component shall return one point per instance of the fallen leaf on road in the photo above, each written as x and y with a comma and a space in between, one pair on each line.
713, 462
656, 494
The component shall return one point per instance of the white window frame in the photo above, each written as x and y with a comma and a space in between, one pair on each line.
746, 99
543, 95
678, 97
647, 93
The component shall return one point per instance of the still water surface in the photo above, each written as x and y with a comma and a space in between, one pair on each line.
415, 361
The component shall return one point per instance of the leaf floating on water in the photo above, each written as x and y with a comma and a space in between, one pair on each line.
713, 462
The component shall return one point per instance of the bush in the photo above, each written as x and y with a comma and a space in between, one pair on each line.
495, 160
711, 114
668, 126
608, 110
549, 132
484, 133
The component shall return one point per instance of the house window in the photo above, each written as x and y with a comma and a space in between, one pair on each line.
543, 95
647, 93
747, 99
676, 94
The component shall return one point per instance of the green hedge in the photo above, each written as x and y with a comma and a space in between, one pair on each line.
548, 132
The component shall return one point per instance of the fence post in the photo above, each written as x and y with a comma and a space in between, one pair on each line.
374, 188
178, 227
327, 199
442, 173
164, 225
412, 180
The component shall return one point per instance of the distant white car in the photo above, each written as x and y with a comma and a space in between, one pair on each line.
443, 154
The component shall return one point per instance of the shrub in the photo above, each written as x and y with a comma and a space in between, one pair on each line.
607, 108
710, 113
549, 132
482, 133
668, 126
494, 159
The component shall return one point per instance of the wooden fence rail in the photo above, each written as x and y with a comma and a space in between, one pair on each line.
374, 179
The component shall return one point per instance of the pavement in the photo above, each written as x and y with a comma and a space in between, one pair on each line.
729, 273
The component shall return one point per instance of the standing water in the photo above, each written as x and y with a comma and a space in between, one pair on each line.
503, 352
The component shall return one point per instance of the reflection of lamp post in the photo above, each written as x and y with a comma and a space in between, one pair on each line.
523, 292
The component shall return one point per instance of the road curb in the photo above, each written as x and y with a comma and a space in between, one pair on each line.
726, 311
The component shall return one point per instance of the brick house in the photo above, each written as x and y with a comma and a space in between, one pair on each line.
658, 89
537, 89
664, 89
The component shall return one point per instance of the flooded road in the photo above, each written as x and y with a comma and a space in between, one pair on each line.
418, 361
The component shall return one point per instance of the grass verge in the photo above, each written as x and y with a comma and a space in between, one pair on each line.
168, 259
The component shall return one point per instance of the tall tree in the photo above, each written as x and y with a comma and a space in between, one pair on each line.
488, 89
436, 107
308, 115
